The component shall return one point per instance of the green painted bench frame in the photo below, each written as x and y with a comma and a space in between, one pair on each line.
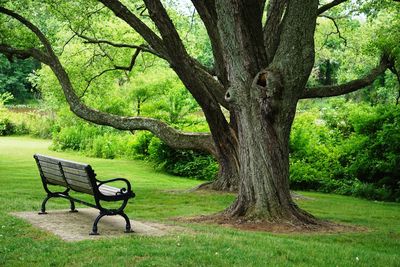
80, 177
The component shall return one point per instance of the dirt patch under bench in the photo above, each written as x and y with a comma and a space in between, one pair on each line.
77, 226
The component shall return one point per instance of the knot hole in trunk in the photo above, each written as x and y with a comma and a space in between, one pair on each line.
228, 96
262, 79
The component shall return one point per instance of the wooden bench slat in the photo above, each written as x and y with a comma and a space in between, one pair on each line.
56, 182
79, 178
66, 163
51, 171
73, 165
47, 159
74, 171
76, 180
49, 165
81, 189
109, 188
79, 183
58, 178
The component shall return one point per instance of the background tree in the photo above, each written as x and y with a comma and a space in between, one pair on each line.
14, 78
260, 72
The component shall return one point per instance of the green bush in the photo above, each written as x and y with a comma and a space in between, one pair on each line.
78, 136
139, 145
304, 176
38, 125
110, 145
351, 149
372, 153
6, 126
188, 163
35, 123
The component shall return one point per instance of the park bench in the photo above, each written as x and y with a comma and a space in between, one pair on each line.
79, 177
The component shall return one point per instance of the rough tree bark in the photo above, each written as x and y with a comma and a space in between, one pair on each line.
261, 74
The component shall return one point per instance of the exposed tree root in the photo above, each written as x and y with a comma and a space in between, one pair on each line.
213, 186
274, 226
203, 186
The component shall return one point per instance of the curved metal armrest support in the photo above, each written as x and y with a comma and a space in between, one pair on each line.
123, 190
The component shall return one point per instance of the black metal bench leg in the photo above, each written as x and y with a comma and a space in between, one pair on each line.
72, 206
43, 210
94, 229
128, 228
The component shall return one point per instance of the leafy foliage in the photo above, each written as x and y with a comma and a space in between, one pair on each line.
349, 149
186, 163
14, 78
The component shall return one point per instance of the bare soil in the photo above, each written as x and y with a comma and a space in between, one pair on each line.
274, 227
77, 226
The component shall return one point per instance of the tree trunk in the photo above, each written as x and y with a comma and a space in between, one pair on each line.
228, 174
263, 131
226, 143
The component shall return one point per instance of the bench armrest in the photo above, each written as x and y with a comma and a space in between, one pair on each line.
123, 190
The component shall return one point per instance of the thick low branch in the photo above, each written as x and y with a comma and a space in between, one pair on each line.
171, 136
28, 24
168, 134
330, 5
335, 90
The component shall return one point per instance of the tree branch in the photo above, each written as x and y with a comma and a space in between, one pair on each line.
330, 5
143, 47
337, 30
335, 90
133, 60
28, 24
168, 134
116, 67
272, 27
168, 46
139, 26
397, 74
180, 60
294, 57
208, 15
169, 34
11, 52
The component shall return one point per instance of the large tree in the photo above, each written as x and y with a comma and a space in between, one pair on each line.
263, 55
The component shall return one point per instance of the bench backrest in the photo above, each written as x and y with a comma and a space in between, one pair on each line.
76, 176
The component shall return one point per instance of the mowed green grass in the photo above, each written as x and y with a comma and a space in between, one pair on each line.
204, 245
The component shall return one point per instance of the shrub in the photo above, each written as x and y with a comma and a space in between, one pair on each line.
348, 149
188, 163
138, 147
6, 126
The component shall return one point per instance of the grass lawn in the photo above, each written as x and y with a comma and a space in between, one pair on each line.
206, 245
